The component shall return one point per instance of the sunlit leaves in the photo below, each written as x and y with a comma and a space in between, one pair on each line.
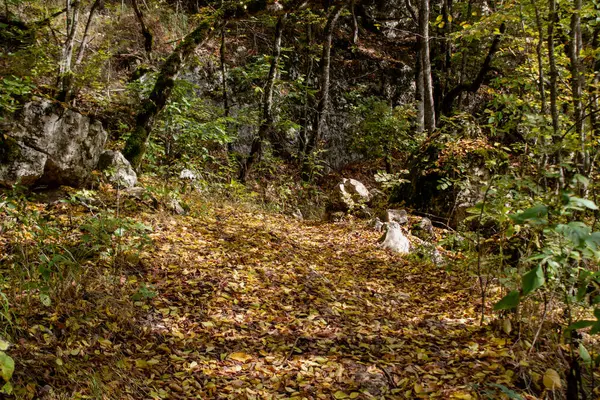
7, 366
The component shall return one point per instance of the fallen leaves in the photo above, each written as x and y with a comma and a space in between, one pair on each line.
241, 357
237, 304
552, 379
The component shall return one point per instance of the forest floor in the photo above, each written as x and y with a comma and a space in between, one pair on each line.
235, 302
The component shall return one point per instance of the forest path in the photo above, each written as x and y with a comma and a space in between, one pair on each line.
230, 302
257, 305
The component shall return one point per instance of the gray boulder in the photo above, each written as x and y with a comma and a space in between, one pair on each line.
349, 195
117, 169
50, 145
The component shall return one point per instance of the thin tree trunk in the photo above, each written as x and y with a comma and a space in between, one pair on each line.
226, 107
354, 24
148, 39
64, 73
266, 123
539, 52
309, 69
428, 102
420, 90
593, 90
321, 115
474, 86
97, 4
552, 17
577, 82
135, 147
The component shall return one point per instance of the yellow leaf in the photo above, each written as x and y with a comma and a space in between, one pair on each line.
462, 396
241, 357
418, 388
506, 326
340, 395
552, 379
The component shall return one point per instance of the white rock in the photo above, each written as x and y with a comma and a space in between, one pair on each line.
395, 239
188, 174
356, 189
399, 216
117, 169
298, 214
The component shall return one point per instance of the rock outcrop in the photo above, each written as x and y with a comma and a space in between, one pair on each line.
117, 169
47, 144
349, 195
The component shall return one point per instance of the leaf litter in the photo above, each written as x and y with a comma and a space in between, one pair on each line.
246, 304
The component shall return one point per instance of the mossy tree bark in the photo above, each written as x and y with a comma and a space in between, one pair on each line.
136, 145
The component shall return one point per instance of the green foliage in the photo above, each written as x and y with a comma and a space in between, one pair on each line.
383, 132
12, 91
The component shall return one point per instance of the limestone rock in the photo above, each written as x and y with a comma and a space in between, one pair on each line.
19, 163
395, 240
424, 229
377, 225
188, 174
50, 145
298, 214
350, 195
175, 206
399, 216
117, 169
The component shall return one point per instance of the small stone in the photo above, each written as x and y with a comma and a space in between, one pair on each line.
399, 216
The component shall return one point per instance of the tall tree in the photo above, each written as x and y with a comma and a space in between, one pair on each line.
578, 81
486, 67
135, 147
148, 38
96, 5
425, 75
323, 95
266, 123
64, 70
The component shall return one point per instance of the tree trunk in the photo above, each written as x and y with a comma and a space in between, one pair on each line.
95, 6
593, 90
428, 102
474, 86
354, 24
266, 123
577, 82
552, 17
420, 90
539, 53
226, 108
148, 39
319, 120
135, 148
64, 72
